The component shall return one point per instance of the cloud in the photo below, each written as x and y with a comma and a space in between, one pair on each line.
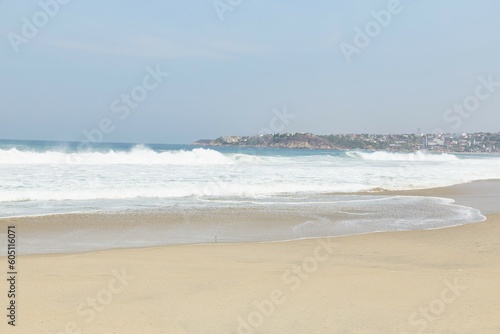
156, 47
232, 47
147, 47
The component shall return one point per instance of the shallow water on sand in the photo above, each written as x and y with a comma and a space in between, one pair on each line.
247, 221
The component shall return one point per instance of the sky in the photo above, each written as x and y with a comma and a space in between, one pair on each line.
164, 71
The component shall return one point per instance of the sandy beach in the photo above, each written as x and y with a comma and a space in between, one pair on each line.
249, 167
435, 281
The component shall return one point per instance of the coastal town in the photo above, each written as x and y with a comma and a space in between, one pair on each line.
481, 142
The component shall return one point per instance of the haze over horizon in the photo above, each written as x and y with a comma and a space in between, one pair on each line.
204, 69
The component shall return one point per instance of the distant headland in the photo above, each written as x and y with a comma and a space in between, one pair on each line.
480, 142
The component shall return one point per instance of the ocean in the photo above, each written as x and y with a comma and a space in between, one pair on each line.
46, 178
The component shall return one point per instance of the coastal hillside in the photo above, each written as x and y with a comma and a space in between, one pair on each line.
464, 142
296, 140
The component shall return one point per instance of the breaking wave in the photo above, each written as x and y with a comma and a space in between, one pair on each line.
138, 155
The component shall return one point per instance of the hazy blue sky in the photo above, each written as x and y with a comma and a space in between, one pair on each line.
227, 76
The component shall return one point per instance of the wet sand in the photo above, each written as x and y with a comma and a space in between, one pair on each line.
435, 281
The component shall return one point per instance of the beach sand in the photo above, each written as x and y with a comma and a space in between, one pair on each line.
436, 281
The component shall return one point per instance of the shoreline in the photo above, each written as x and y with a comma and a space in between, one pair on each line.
95, 231
74, 233
373, 283
442, 192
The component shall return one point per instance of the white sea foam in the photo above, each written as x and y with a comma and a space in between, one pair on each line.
391, 156
290, 185
37, 181
312, 219
139, 155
